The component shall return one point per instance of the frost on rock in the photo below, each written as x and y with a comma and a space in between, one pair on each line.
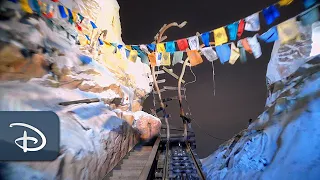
283, 142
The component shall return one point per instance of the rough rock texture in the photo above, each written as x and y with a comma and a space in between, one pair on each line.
283, 142
41, 66
147, 125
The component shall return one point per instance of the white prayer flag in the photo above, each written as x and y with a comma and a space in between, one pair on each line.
255, 46
194, 43
252, 22
209, 53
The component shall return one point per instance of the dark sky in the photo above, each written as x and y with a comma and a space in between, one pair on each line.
240, 88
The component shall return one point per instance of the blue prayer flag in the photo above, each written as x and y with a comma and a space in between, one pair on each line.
120, 46
270, 36
270, 14
93, 25
170, 47
87, 37
205, 39
223, 52
100, 41
62, 12
152, 46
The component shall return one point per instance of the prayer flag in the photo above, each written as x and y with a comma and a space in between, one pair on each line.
75, 17
62, 11
194, 42
235, 53
70, 16
144, 48
233, 30
194, 57
205, 39
270, 36
220, 36
161, 48
270, 14
94, 26
309, 3
177, 57
285, 2
182, 44
25, 6
165, 59
158, 58
170, 47
209, 53
152, 59
35, 6
143, 56
246, 45
87, 37
80, 17
223, 52
243, 55
133, 55
79, 27
310, 17
55, 0
288, 31
14, 1
100, 41
255, 46
119, 46
128, 47
240, 28
252, 22
152, 47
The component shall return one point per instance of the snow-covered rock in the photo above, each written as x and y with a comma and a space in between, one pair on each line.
283, 142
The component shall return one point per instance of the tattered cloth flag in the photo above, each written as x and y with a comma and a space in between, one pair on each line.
128, 47
310, 17
270, 14
246, 45
100, 41
152, 47
80, 17
194, 57
243, 55
70, 16
133, 55
240, 28
141, 54
94, 26
25, 6
152, 59
255, 46
177, 57
309, 3
62, 11
165, 59
182, 44
209, 53
220, 36
252, 22
285, 2
170, 47
288, 31
144, 48
161, 48
223, 52
235, 53
158, 58
270, 36
205, 38
233, 30
194, 43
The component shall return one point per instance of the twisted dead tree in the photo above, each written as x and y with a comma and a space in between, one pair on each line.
158, 39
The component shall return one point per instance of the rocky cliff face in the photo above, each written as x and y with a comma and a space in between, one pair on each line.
41, 66
283, 142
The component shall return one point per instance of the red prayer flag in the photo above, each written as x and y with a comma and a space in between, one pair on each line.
240, 28
55, 0
78, 27
182, 44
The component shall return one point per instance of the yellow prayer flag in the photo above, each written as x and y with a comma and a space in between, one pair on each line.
220, 36
285, 2
195, 57
25, 6
118, 54
152, 59
165, 59
235, 54
128, 47
75, 16
288, 31
161, 48
133, 55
